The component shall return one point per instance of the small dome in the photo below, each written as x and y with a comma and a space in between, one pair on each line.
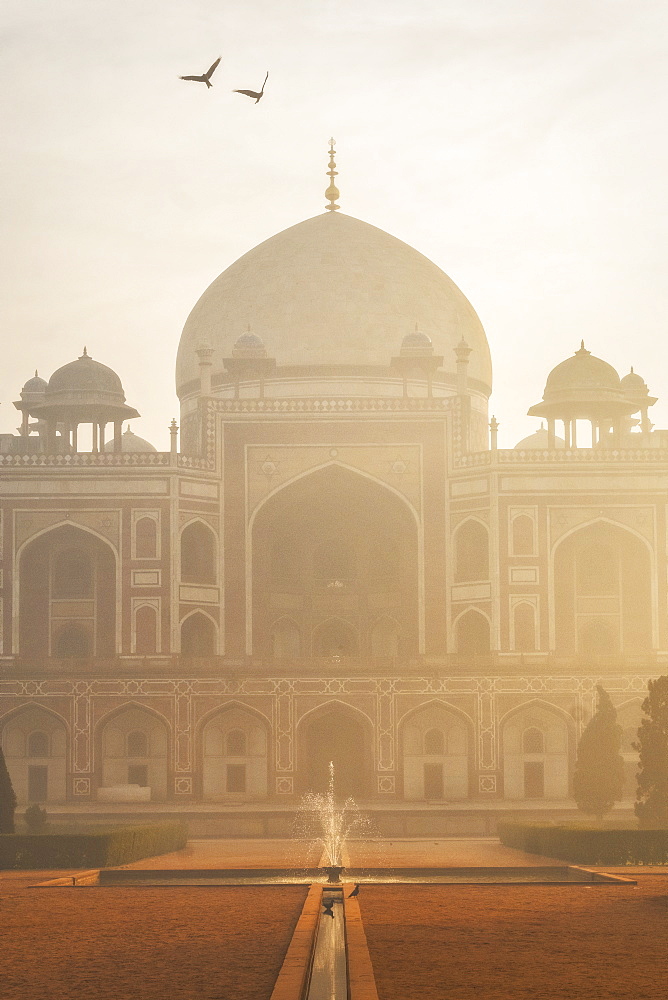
582, 372
249, 345
538, 441
131, 443
86, 375
634, 384
35, 384
415, 344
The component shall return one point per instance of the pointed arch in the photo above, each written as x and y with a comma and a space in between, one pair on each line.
539, 765
335, 637
473, 632
199, 634
633, 626
38, 579
233, 743
198, 547
120, 763
405, 506
436, 741
38, 771
343, 734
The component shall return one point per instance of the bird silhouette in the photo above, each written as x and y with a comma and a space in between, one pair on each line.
205, 77
328, 904
253, 93
355, 892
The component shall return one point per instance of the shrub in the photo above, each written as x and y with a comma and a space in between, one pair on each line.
587, 844
35, 818
599, 770
652, 796
100, 847
7, 798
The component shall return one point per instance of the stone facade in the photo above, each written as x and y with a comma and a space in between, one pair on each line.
335, 565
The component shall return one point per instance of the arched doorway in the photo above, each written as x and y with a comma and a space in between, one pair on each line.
134, 744
341, 735
331, 550
537, 748
34, 742
67, 602
602, 592
435, 743
234, 756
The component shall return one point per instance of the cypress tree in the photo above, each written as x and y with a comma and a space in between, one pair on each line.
7, 798
652, 796
599, 770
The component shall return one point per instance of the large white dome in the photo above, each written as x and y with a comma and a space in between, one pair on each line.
332, 291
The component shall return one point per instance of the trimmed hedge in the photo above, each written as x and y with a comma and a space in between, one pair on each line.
587, 845
92, 847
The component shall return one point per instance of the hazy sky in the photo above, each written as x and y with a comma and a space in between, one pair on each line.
520, 145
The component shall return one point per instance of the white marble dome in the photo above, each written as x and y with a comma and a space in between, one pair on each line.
332, 291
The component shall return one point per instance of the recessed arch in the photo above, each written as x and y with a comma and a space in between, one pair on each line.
412, 578
198, 547
199, 634
233, 743
626, 601
343, 734
36, 744
123, 770
530, 770
436, 741
335, 637
473, 631
44, 609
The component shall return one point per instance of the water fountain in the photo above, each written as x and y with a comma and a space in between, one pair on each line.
320, 820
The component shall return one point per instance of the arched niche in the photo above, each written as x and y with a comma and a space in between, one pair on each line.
67, 595
121, 736
537, 746
602, 592
471, 552
234, 744
198, 635
472, 633
146, 630
435, 744
341, 734
198, 554
335, 638
335, 544
34, 741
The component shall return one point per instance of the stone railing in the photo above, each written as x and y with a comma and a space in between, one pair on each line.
563, 456
345, 404
104, 460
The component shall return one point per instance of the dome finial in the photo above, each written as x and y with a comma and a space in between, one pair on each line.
332, 192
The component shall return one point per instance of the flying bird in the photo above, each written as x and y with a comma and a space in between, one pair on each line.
355, 892
253, 93
205, 77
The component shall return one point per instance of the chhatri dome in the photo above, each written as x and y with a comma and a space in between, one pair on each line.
332, 291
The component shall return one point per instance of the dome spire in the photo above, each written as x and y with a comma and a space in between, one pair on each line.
332, 192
